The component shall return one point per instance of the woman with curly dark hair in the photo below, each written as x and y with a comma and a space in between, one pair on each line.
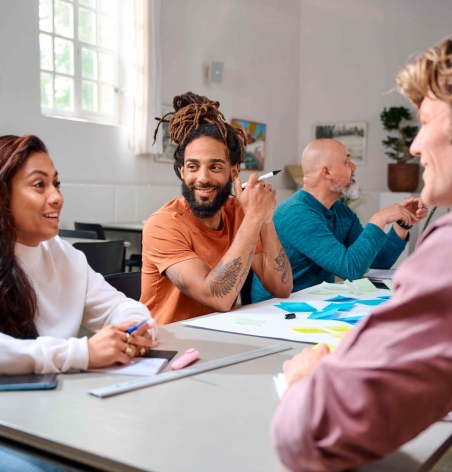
47, 288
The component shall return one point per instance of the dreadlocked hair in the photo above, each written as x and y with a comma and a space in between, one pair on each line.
196, 116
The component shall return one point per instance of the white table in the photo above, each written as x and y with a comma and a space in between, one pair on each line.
215, 421
83, 240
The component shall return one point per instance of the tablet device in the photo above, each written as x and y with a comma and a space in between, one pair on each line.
28, 382
159, 354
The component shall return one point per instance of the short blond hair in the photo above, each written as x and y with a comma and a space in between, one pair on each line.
430, 72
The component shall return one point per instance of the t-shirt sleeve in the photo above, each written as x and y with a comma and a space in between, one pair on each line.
166, 241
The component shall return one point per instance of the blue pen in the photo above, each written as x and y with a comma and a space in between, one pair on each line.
135, 327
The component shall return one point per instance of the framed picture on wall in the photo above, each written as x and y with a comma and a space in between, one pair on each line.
351, 135
256, 134
167, 155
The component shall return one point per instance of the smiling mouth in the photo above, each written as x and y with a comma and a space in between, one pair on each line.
51, 215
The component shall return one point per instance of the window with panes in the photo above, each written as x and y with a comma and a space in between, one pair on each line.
79, 59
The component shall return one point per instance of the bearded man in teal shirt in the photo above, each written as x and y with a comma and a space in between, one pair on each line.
322, 237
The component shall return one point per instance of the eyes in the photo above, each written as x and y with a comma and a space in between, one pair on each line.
41, 184
214, 167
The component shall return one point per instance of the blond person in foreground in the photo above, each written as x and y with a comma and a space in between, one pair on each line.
47, 288
391, 376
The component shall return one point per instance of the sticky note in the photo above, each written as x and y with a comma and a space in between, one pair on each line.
385, 297
340, 298
330, 347
371, 302
247, 321
297, 307
388, 284
308, 330
320, 292
354, 289
365, 285
335, 287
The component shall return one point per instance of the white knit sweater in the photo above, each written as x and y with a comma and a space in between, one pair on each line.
69, 293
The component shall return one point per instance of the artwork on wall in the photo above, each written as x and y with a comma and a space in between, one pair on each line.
351, 135
168, 147
256, 134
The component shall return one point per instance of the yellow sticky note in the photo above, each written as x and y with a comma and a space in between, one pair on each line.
308, 330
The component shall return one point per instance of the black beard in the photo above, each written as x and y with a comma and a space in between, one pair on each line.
207, 209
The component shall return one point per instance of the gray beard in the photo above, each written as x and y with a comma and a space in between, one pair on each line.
349, 191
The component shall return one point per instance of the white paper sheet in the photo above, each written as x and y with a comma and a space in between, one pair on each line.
275, 325
137, 366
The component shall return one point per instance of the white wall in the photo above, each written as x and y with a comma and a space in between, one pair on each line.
258, 41
350, 53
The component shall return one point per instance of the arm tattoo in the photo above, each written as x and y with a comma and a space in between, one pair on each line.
282, 265
178, 284
245, 271
224, 277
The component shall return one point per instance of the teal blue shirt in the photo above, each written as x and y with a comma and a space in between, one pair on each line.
321, 243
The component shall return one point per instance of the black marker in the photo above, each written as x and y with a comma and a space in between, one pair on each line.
290, 316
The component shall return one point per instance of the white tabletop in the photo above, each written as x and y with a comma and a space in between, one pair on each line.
215, 421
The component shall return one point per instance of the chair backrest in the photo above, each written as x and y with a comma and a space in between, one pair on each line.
77, 233
97, 228
105, 257
245, 292
129, 283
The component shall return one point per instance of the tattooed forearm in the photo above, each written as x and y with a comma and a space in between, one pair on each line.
245, 271
282, 265
178, 284
224, 277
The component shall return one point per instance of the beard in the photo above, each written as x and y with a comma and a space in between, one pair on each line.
206, 209
351, 190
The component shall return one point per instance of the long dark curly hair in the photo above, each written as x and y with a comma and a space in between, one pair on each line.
195, 116
18, 304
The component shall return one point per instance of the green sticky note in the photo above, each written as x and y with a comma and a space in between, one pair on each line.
388, 283
365, 285
247, 321
353, 289
335, 287
320, 292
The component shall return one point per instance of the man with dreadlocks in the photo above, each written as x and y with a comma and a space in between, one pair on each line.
199, 248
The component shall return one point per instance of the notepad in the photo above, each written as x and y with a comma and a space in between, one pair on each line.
247, 321
297, 307
137, 366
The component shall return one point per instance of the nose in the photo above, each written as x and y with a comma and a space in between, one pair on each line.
415, 148
203, 175
352, 166
56, 199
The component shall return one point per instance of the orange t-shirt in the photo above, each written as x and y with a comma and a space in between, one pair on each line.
171, 235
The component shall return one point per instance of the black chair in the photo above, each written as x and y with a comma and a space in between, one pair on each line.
97, 228
105, 257
77, 233
245, 292
129, 283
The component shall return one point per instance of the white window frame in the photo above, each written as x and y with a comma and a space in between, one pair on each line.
79, 113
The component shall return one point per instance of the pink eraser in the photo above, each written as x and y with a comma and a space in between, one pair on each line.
190, 356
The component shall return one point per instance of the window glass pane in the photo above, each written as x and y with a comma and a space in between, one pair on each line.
87, 26
46, 90
106, 32
64, 93
64, 19
106, 6
89, 64
45, 15
89, 96
106, 68
64, 56
107, 99
45, 45
88, 3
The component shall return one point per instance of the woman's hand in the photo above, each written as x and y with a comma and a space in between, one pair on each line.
110, 344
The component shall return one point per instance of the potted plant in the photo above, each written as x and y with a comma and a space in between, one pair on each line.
402, 177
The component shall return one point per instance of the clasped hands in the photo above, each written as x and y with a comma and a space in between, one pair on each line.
257, 198
112, 344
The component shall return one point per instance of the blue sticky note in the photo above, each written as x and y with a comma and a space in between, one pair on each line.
352, 321
296, 307
385, 297
340, 298
371, 302
324, 315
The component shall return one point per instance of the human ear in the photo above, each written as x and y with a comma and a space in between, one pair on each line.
234, 172
325, 173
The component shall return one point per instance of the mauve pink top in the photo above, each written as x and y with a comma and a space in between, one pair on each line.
390, 378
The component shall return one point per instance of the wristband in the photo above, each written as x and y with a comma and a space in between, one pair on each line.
403, 225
